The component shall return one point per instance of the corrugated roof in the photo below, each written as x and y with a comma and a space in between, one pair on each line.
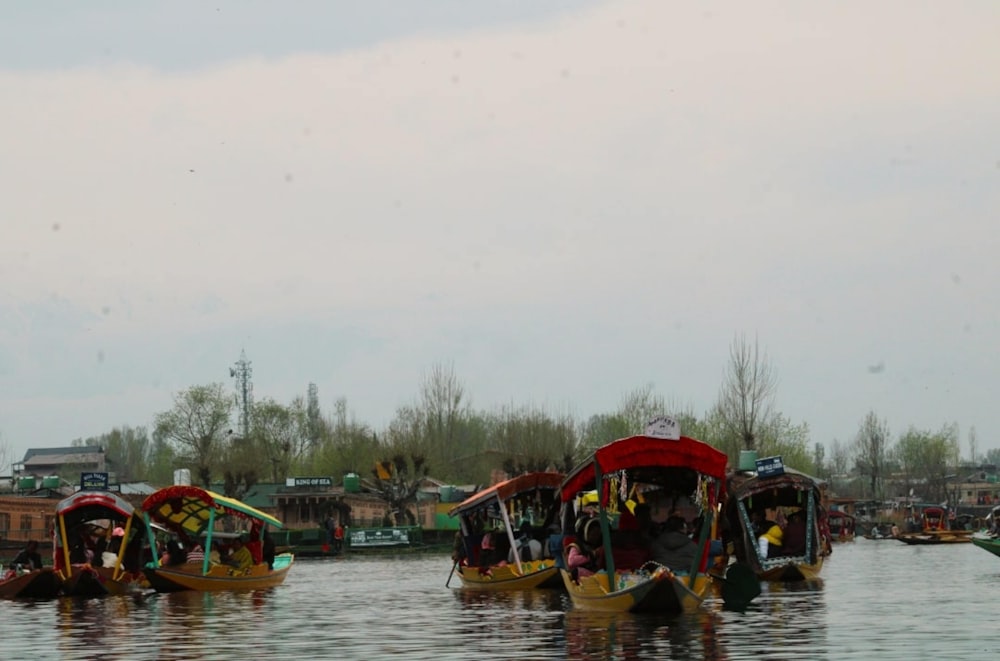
53, 459
72, 449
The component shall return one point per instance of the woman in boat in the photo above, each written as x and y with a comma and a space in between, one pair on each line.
794, 537
173, 555
769, 535
240, 556
582, 557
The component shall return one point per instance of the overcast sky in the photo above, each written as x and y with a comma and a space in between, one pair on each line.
565, 201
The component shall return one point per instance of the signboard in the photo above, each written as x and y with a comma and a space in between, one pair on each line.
663, 426
309, 482
373, 537
93, 481
770, 466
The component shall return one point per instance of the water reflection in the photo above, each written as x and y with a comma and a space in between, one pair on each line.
642, 636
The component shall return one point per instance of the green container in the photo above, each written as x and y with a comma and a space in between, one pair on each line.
50, 482
352, 483
26, 483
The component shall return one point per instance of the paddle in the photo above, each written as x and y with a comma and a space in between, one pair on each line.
451, 573
740, 586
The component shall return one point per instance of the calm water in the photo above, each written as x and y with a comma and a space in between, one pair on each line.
878, 599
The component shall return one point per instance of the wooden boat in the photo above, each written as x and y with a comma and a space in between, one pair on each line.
108, 522
532, 497
666, 471
841, 525
44, 583
772, 489
191, 513
935, 530
987, 542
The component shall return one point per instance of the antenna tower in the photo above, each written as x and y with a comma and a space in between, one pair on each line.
242, 374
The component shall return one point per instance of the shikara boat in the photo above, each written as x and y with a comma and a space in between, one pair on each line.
191, 514
669, 473
98, 544
532, 498
771, 493
841, 526
44, 583
935, 530
987, 542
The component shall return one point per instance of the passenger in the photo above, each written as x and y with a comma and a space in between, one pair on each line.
528, 547
673, 548
239, 555
794, 537
268, 549
173, 555
28, 558
81, 552
196, 555
214, 556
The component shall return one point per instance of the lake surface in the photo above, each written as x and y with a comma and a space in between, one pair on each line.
882, 600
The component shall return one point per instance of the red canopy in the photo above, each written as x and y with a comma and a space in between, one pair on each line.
508, 489
649, 452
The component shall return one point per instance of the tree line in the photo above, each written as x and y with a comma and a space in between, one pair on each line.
442, 435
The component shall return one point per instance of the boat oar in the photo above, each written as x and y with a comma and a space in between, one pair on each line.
451, 573
740, 586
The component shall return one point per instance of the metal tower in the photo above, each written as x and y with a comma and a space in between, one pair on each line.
242, 374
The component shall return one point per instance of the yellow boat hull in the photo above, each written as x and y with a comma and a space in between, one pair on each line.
659, 591
792, 571
534, 574
219, 577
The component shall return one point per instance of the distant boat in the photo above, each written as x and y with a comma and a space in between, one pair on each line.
841, 526
934, 530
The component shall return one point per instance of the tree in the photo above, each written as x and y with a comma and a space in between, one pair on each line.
528, 440
872, 443
972, 445
748, 387
397, 480
198, 426
278, 432
927, 459
127, 449
840, 457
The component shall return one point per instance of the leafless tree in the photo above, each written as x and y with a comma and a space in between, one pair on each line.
745, 399
872, 443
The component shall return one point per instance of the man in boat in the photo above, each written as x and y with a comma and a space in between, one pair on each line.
794, 538
528, 547
240, 556
28, 558
673, 548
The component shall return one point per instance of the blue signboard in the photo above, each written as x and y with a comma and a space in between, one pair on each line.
93, 481
770, 466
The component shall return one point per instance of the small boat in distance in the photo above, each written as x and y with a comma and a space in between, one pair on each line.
512, 517
935, 530
190, 514
841, 526
677, 480
795, 551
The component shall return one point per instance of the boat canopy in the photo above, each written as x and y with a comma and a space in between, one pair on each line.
637, 453
508, 489
779, 490
191, 509
94, 505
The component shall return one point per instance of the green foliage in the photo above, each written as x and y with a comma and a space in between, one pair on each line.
198, 426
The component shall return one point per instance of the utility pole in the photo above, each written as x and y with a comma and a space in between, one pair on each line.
242, 373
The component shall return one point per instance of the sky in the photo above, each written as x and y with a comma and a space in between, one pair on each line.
562, 201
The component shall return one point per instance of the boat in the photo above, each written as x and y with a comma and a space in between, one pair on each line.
44, 583
98, 544
934, 529
771, 493
669, 474
498, 513
190, 514
987, 542
841, 525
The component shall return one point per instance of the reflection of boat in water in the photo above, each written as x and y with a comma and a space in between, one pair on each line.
43, 583
841, 525
935, 530
191, 513
99, 544
622, 635
796, 497
667, 472
531, 496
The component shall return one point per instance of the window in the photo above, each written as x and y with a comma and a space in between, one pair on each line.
25, 522
4, 523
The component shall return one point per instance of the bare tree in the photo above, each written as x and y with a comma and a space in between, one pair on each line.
199, 425
745, 398
871, 443
973, 444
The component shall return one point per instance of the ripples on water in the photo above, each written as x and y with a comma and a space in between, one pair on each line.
880, 600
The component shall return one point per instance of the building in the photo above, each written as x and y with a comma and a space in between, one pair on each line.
66, 463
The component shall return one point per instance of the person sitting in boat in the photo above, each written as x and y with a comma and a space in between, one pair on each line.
196, 555
581, 556
28, 558
673, 548
82, 552
794, 535
173, 554
528, 547
109, 558
268, 549
240, 556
